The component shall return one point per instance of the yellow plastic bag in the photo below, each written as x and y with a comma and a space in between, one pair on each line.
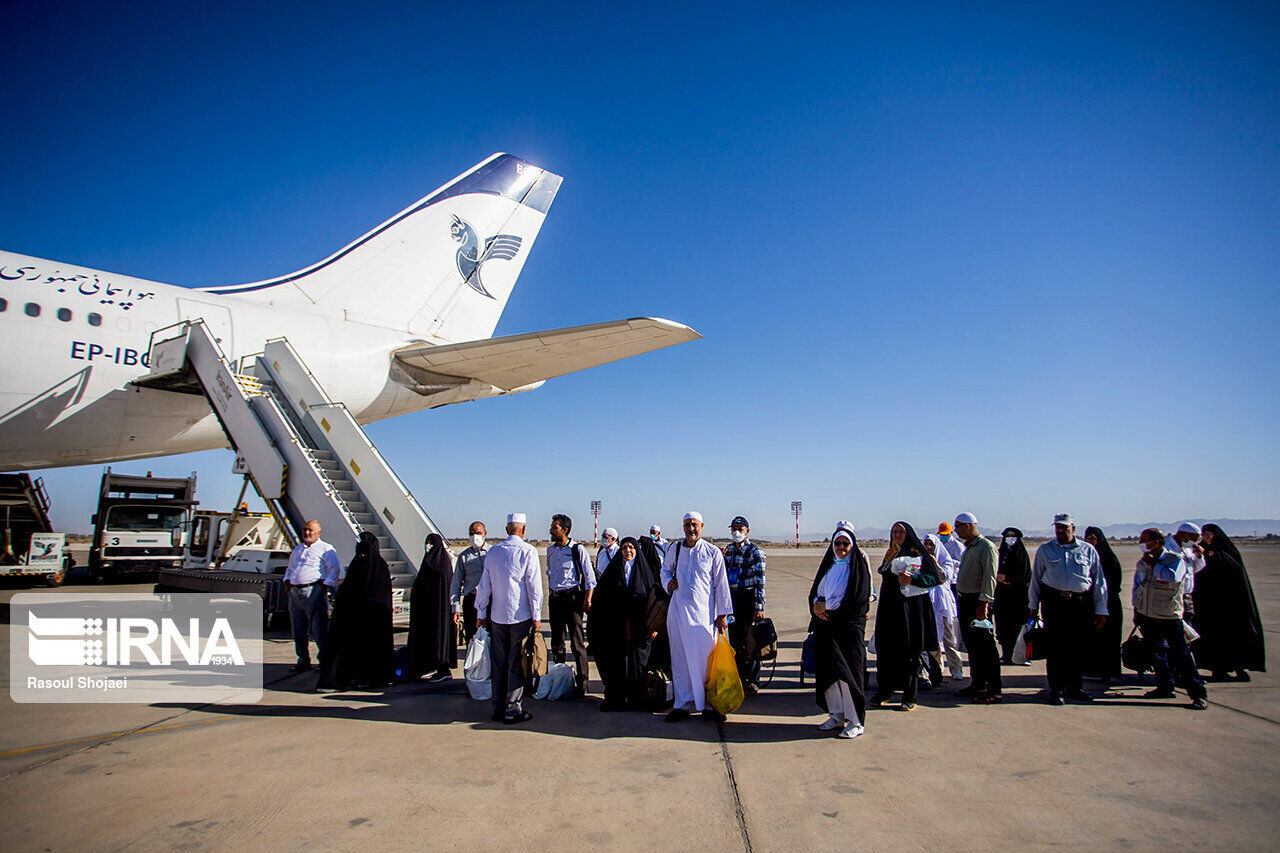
724, 687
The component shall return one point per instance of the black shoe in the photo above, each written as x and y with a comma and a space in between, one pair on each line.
1079, 695
1199, 704
925, 685
301, 666
988, 699
677, 714
1243, 676
496, 716
750, 689
713, 715
907, 706
1159, 693
522, 717
439, 676
968, 692
1055, 698
879, 699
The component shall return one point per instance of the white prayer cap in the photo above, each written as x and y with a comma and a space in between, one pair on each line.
1188, 527
966, 518
516, 518
609, 531
1064, 518
691, 515
655, 529
842, 534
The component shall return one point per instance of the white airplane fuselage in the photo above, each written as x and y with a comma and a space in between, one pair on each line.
89, 367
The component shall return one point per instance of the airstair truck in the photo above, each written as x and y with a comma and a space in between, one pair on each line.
30, 549
139, 525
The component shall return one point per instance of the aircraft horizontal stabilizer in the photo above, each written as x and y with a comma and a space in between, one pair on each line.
513, 362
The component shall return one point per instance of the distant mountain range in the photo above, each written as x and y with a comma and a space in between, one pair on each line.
1128, 530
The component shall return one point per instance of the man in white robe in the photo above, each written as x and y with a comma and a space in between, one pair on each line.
693, 572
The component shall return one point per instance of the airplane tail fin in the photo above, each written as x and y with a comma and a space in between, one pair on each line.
441, 269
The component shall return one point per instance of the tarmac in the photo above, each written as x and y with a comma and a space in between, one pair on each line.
422, 766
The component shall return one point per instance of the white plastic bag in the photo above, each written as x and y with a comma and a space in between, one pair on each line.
557, 683
1020, 648
1189, 632
476, 667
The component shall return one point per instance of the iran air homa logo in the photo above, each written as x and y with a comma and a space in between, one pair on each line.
91, 641
502, 247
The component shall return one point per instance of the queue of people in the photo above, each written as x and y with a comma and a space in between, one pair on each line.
652, 611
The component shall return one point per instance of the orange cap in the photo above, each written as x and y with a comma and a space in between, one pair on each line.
944, 527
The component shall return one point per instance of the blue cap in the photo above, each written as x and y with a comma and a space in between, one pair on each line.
739, 521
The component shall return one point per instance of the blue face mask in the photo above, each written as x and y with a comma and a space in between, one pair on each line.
945, 537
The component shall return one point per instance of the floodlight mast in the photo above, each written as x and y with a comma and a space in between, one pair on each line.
796, 508
595, 513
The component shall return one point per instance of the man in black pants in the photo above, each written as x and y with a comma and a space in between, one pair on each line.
572, 579
744, 564
976, 585
1067, 581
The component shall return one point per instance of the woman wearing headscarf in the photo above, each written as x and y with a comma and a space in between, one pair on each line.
358, 649
838, 603
1226, 613
1013, 577
619, 626
659, 599
904, 616
1103, 658
433, 646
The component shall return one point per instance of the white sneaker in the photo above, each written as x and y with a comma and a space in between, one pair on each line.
851, 730
833, 722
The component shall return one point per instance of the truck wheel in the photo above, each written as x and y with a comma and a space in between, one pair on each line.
54, 580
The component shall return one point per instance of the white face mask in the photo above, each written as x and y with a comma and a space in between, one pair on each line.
477, 540
738, 536
1011, 541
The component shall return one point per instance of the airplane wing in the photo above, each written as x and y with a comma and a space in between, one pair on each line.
510, 363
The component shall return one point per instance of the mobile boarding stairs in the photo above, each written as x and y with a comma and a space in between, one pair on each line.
305, 453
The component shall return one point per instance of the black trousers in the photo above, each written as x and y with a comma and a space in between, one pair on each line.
1068, 622
565, 608
984, 657
506, 672
744, 613
1172, 655
468, 617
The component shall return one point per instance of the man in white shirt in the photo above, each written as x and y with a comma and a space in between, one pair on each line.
509, 603
661, 544
693, 572
313, 567
1186, 541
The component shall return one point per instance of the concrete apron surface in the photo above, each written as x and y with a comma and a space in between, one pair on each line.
421, 765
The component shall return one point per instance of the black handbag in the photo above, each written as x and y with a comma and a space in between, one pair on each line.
1135, 652
656, 686
762, 640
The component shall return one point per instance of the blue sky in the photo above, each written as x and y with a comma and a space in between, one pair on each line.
1007, 259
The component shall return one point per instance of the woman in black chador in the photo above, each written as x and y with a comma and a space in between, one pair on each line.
838, 601
433, 644
1013, 577
358, 649
1226, 613
619, 632
1102, 659
904, 621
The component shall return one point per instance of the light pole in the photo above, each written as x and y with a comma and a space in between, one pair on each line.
595, 512
796, 509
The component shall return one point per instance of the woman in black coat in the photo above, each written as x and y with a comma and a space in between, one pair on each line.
1103, 657
619, 627
433, 638
358, 650
1013, 577
1226, 613
905, 623
838, 601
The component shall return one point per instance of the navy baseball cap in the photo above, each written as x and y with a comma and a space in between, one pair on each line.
739, 521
